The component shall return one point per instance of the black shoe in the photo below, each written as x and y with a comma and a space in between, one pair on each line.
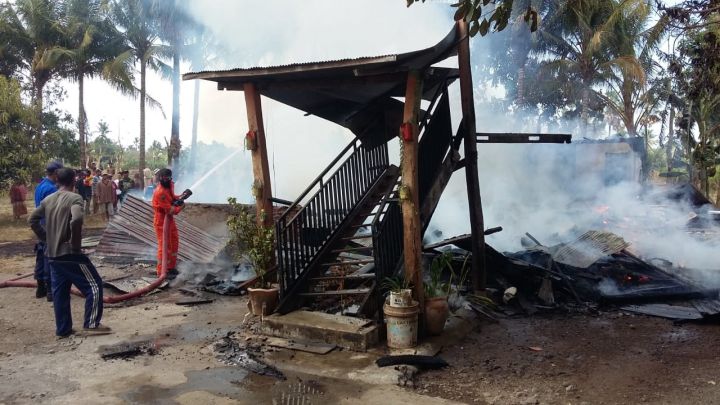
70, 333
172, 274
41, 290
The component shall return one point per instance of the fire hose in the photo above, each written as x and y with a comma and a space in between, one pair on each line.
15, 282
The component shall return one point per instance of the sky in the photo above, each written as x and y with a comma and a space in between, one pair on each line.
266, 33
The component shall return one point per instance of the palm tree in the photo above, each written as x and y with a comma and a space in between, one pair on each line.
200, 50
31, 26
172, 19
93, 48
574, 45
138, 21
630, 95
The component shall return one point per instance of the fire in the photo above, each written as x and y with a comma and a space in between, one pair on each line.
602, 209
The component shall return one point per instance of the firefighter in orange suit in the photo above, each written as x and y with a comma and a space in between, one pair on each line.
163, 203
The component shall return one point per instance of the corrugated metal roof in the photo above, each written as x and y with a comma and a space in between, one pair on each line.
299, 66
357, 94
130, 233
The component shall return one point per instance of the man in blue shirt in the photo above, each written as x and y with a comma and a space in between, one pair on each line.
42, 270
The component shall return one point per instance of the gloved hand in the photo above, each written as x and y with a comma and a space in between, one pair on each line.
178, 203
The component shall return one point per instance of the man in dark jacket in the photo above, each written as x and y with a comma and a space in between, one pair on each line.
83, 188
42, 271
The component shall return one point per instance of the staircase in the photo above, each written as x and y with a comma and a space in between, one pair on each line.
343, 236
310, 239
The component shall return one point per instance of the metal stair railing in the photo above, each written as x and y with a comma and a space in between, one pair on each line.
305, 227
387, 238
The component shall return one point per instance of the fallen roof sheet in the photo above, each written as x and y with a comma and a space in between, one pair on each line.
589, 248
130, 233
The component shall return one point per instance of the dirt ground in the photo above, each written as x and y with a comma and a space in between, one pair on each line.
612, 358
609, 358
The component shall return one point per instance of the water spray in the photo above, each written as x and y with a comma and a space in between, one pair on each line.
213, 170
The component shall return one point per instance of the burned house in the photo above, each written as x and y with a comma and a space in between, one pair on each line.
362, 218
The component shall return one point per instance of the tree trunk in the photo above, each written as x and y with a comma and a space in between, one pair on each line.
668, 145
175, 125
81, 121
196, 107
143, 70
38, 105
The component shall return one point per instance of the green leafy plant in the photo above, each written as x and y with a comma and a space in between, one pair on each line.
395, 284
436, 287
251, 240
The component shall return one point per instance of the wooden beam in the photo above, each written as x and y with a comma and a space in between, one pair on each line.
261, 171
477, 226
433, 197
410, 201
496, 137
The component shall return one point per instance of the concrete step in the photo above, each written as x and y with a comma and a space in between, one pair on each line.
344, 331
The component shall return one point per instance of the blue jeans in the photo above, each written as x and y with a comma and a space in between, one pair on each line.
77, 270
42, 270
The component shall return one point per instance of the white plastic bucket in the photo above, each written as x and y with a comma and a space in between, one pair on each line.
402, 325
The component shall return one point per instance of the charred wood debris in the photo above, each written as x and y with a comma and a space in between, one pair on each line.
594, 273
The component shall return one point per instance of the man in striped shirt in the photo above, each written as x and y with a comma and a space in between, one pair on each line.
62, 233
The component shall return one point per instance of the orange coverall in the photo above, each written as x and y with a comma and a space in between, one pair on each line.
162, 204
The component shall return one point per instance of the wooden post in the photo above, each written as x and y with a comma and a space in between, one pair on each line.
410, 201
477, 226
261, 171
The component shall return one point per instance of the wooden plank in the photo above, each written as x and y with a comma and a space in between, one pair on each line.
477, 225
193, 302
433, 196
487, 137
412, 228
352, 291
310, 347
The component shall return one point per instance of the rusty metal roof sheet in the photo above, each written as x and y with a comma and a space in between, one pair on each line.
130, 233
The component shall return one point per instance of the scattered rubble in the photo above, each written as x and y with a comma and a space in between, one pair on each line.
128, 350
243, 354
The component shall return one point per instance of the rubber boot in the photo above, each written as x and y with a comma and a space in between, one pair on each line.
41, 290
49, 295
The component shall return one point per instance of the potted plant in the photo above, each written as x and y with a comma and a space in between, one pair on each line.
400, 293
437, 309
257, 243
401, 313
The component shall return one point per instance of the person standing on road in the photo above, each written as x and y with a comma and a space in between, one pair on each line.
95, 181
62, 233
106, 195
84, 190
42, 271
164, 202
18, 195
126, 184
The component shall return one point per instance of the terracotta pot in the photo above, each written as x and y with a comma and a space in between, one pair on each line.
436, 314
263, 300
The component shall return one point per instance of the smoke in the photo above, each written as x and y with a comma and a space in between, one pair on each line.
554, 192
270, 33
558, 192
